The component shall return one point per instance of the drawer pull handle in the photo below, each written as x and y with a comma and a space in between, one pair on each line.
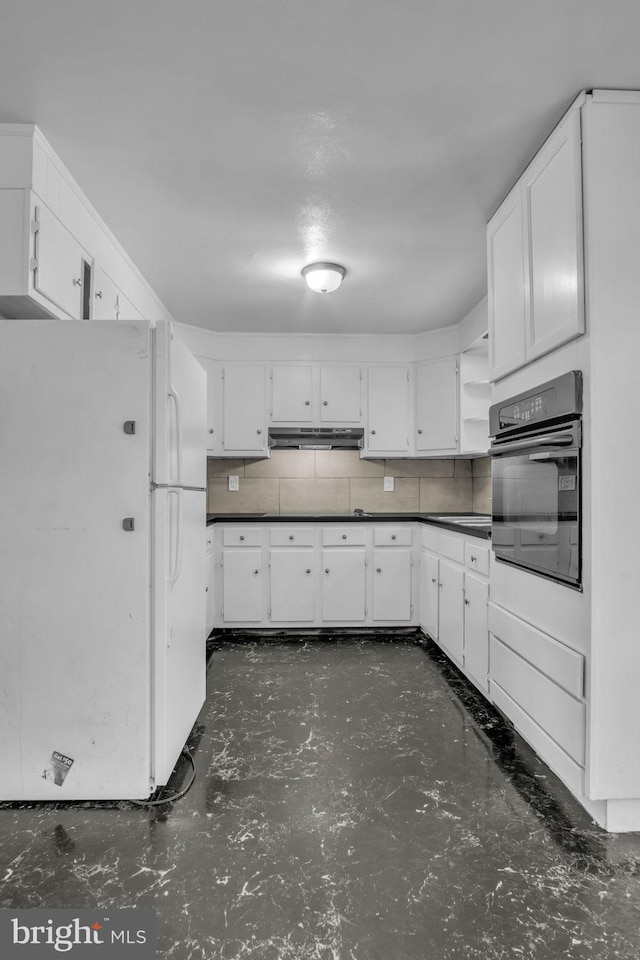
378, 569
242, 536
308, 570
290, 536
325, 403
344, 536
326, 569
372, 432
393, 536
306, 403
419, 431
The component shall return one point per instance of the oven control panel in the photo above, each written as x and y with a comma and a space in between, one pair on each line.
559, 397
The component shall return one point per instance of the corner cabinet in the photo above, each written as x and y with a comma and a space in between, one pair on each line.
534, 255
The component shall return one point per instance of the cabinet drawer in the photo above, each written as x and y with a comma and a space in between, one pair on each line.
392, 536
452, 548
291, 536
430, 537
476, 558
350, 536
242, 537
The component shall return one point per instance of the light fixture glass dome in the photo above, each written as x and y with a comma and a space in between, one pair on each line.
323, 277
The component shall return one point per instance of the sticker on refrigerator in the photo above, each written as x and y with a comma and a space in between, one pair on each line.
57, 769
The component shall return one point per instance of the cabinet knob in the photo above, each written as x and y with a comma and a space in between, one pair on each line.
308, 570
306, 403
473, 559
290, 536
419, 431
258, 431
77, 283
98, 294
242, 536
210, 429
325, 403
393, 536
433, 579
344, 536
372, 432
466, 601
206, 589
256, 571
326, 569
378, 569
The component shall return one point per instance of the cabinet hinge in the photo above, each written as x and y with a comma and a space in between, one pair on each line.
33, 263
222, 562
366, 562
222, 373
222, 611
411, 610
411, 561
365, 610
269, 611
408, 375
35, 226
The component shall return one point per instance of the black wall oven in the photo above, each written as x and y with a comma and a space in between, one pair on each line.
535, 487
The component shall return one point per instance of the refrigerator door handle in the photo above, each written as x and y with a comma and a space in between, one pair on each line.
178, 416
177, 557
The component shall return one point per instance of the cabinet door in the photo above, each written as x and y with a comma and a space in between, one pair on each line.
241, 585
292, 394
476, 629
451, 610
437, 405
105, 296
60, 271
429, 592
214, 405
392, 584
340, 400
553, 240
211, 595
343, 585
292, 580
244, 419
507, 291
388, 410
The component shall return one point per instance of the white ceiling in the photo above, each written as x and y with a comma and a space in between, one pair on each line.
227, 143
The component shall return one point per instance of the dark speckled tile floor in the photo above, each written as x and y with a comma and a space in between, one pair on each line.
355, 800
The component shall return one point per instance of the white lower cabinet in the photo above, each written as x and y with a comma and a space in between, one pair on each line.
242, 586
429, 590
344, 585
451, 610
292, 585
476, 629
392, 584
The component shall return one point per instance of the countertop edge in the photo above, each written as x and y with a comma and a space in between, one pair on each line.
481, 534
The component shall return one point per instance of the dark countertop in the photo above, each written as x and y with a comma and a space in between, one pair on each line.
482, 532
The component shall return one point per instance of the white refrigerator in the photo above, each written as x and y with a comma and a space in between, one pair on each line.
102, 557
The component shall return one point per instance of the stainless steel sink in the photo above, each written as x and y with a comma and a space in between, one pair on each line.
473, 520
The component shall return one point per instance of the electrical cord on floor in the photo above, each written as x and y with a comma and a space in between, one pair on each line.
175, 796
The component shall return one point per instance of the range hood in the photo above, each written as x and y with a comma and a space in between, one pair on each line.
316, 438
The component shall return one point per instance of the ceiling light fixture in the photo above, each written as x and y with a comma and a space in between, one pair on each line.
323, 277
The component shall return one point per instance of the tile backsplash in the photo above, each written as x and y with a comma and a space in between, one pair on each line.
338, 481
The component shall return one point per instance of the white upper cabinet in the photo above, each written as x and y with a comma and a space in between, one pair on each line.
292, 394
244, 421
52, 241
105, 296
61, 268
534, 255
437, 406
388, 411
506, 282
313, 394
340, 394
552, 186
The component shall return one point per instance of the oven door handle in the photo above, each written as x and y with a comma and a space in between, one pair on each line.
548, 440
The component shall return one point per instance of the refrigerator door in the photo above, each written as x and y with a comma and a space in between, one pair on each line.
179, 629
74, 583
180, 441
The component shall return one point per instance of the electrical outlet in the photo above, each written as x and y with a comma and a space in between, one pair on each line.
234, 484
388, 485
